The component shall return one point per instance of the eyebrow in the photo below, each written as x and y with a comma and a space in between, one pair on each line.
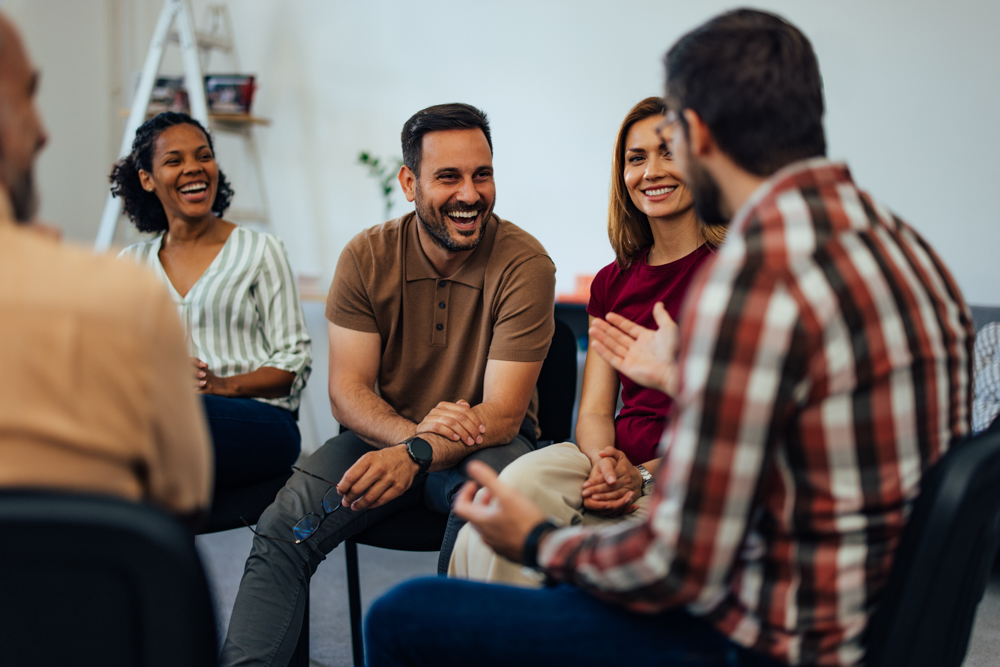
446, 170
166, 153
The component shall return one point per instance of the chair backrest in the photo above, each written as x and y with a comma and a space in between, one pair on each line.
87, 580
924, 615
557, 386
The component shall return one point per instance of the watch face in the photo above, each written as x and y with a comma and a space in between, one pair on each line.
421, 451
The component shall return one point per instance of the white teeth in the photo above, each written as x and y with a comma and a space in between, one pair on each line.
464, 214
194, 187
659, 191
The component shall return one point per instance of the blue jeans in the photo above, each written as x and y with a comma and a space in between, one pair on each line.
253, 441
442, 622
270, 606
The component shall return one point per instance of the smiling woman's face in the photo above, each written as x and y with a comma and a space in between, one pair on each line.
651, 176
185, 176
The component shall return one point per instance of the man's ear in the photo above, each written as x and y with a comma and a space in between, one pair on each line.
701, 143
408, 181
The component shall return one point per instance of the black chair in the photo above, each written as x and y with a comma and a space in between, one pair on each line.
924, 616
90, 580
420, 529
230, 507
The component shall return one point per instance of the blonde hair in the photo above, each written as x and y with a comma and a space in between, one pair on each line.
628, 227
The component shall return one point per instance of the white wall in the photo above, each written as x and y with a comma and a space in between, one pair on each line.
911, 88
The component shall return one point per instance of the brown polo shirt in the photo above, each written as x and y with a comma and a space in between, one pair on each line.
438, 333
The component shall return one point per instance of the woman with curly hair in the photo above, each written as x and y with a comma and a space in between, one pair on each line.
659, 245
233, 289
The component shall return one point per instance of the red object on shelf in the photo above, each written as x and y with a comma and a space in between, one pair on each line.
582, 292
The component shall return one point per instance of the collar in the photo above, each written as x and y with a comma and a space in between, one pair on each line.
471, 273
814, 171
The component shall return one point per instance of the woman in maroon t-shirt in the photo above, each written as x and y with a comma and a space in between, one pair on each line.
659, 245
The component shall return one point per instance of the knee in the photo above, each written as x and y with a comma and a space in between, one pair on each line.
526, 474
398, 619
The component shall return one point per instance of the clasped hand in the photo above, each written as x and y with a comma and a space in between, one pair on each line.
209, 382
613, 486
455, 421
647, 356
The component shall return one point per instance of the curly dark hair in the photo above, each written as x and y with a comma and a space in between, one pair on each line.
144, 208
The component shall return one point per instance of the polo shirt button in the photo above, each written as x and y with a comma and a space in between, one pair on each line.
443, 283
441, 305
440, 326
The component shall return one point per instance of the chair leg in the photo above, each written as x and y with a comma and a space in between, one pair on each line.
354, 601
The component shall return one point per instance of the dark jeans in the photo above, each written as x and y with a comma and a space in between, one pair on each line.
253, 441
442, 622
270, 605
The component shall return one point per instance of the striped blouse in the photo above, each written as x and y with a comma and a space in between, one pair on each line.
244, 312
826, 357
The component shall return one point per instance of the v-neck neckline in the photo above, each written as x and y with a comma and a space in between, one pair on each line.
194, 285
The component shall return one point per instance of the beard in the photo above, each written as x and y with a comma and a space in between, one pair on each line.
706, 194
23, 196
435, 223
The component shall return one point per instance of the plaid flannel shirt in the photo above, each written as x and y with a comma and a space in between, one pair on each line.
826, 356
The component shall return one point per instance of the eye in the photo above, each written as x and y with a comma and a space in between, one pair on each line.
485, 174
636, 159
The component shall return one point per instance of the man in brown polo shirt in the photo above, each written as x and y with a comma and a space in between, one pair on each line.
97, 393
439, 323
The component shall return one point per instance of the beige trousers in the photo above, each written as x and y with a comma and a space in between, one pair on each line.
553, 477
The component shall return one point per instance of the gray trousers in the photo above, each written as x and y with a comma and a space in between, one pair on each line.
270, 605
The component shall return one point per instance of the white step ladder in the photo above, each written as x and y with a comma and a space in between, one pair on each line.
195, 49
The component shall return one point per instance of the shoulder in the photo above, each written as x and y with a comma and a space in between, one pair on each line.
76, 281
142, 250
379, 242
512, 241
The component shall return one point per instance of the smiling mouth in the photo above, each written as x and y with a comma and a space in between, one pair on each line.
659, 192
464, 221
194, 191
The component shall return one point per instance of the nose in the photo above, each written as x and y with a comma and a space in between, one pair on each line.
655, 168
467, 193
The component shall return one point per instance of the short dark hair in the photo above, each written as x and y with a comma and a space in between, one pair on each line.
754, 80
455, 116
144, 208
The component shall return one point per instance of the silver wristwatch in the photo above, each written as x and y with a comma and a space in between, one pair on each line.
647, 480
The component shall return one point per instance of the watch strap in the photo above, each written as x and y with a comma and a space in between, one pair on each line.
529, 553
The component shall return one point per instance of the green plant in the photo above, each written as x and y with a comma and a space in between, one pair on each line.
384, 171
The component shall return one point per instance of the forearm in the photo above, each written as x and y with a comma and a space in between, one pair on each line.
501, 427
265, 382
370, 417
594, 432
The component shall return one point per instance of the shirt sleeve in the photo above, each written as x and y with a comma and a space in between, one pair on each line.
740, 354
986, 402
348, 304
597, 306
180, 469
281, 316
524, 312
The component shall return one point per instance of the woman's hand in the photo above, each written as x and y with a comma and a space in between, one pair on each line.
209, 382
613, 486
647, 356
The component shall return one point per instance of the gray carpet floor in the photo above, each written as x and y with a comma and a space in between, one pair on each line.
330, 632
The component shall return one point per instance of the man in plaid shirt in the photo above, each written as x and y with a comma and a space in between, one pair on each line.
822, 365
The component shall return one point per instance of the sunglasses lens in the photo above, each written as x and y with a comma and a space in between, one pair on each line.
331, 501
306, 526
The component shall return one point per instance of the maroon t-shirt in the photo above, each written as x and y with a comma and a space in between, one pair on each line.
631, 293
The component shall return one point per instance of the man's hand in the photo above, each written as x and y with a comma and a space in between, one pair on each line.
613, 486
209, 382
377, 477
649, 357
503, 515
455, 421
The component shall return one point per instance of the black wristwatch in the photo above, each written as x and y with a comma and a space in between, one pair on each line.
421, 453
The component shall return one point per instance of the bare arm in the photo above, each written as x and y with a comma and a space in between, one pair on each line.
595, 425
354, 364
507, 389
265, 382
379, 477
